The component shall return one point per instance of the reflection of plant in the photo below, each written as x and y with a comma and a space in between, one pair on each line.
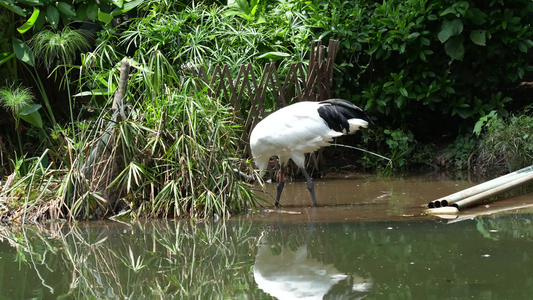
129, 261
515, 225
213, 260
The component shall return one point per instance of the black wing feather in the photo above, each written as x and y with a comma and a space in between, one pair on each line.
337, 112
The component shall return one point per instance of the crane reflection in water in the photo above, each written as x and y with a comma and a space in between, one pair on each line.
288, 274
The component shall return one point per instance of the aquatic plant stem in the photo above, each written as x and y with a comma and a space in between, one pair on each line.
40, 86
366, 151
69, 102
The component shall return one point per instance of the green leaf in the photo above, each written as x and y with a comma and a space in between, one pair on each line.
449, 10
94, 93
522, 47
388, 83
449, 29
118, 3
387, 21
478, 37
14, 8
260, 20
81, 13
104, 17
413, 35
92, 11
244, 6
32, 115
126, 7
274, 55
404, 92
478, 16
39, 23
66, 9
455, 48
30, 2
450, 90
462, 7
23, 52
528, 43
30, 109
30, 22
399, 101
52, 14
521, 73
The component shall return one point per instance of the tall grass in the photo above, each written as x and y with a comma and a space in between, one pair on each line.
170, 155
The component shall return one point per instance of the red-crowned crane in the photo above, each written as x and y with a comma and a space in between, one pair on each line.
302, 128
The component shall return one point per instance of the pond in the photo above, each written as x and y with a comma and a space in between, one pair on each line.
369, 238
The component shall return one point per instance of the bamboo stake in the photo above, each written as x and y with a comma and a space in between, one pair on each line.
480, 188
470, 201
453, 217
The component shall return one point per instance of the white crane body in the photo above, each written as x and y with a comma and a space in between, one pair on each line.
301, 128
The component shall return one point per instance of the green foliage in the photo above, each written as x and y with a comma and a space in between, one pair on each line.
30, 17
60, 48
459, 154
175, 256
401, 145
483, 121
405, 61
398, 145
55, 13
251, 12
208, 36
168, 155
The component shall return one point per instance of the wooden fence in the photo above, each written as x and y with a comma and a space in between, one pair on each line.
247, 95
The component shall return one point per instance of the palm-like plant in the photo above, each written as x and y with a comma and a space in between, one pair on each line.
19, 101
59, 49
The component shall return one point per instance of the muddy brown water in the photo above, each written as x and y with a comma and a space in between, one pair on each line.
359, 197
369, 238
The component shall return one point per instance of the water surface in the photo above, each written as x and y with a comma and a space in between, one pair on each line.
369, 238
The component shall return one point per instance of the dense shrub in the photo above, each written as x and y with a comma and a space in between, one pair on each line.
428, 65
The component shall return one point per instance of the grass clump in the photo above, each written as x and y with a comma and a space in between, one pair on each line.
507, 144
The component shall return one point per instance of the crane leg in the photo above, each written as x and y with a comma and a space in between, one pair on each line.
310, 185
281, 185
